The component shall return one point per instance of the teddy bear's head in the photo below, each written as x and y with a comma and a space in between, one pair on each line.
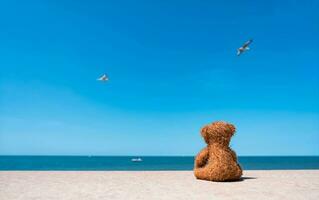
218, 132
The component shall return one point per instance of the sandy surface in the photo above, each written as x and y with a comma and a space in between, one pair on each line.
86, 185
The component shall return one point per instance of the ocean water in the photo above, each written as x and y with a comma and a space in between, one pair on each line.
148, 163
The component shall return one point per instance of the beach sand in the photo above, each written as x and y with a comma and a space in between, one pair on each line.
86, 185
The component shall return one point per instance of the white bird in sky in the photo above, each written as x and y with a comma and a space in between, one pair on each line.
244, 48
103, 78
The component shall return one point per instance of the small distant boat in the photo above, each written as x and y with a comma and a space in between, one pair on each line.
136, 160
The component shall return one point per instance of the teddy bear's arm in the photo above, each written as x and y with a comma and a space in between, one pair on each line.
235, 158
233, 155
201, 158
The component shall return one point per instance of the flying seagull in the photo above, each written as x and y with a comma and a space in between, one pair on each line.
103, 78
244, 48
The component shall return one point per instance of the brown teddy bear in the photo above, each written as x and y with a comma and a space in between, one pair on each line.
217, 161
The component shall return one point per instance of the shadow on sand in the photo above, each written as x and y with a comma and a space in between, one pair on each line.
241, 179
245, 178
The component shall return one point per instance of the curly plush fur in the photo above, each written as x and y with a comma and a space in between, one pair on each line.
217, 161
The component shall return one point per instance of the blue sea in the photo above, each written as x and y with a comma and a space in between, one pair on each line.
149, 163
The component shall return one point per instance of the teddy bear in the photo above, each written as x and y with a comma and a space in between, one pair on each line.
217, 161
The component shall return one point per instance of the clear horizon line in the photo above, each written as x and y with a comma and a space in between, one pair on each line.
86, 155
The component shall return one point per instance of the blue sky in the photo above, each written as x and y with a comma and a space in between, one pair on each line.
173, 68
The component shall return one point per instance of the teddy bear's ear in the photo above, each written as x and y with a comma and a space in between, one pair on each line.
231, 128
204, 130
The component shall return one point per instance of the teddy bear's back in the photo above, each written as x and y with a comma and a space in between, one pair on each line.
222, 164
